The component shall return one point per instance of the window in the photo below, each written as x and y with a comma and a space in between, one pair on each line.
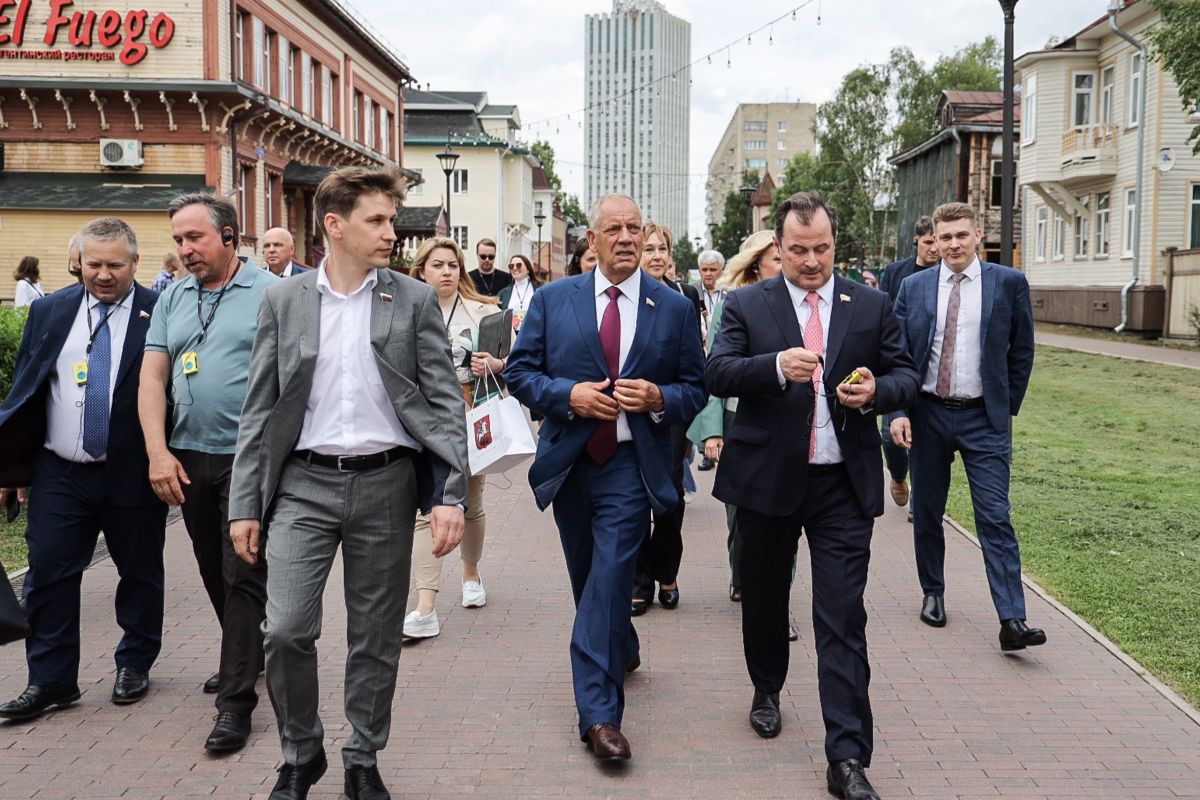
997, 188
1130, 216
418, 189
369, 122
1106, 95
781, 144
239, 41
459, 234
1029, 110
326, 95
752, 125
385, 132
1058, 237
1135, 89
355, 105
262, 55
1084, 83
458, 182
306, 83
246, 194
1103, 227
1194, 226
287, 69
783, 162
783, 126
755, 144
756, 163
1081, 232
1039, 244
274, 198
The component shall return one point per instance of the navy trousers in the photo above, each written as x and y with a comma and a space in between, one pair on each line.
601, 512
894, 456
939, 433
68, 508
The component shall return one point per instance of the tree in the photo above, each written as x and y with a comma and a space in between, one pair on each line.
567, 203
976, 67
573, 210
1175, 43
685, 257
735, 218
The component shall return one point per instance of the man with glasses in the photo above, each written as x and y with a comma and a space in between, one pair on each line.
487, 279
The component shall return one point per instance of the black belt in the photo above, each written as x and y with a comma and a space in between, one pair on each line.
954, 403
817, 470
355, 463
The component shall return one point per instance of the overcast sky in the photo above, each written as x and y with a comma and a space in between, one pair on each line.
530, 53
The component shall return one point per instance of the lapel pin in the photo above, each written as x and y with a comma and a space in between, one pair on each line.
845, 298
143, 314
649, 302
385, 297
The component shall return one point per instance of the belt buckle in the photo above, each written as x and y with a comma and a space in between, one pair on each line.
956, 403
340, 468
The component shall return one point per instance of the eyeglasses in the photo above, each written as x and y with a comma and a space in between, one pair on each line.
484, 257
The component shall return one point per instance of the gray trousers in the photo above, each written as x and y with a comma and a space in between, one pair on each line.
370, 514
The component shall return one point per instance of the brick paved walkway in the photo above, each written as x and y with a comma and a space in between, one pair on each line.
486, 709
1131, 349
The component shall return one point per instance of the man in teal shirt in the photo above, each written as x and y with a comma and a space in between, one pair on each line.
198, 350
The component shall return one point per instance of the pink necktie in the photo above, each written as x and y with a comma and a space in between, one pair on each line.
949, 339
814, 341
603, 443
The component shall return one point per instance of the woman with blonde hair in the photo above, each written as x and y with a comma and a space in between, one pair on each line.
480, 337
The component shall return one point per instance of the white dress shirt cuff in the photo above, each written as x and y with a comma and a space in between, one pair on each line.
779, 371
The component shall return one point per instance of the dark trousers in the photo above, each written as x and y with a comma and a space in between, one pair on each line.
894, 456
238, 590
600, 512
662, 545
839, 544
68, 507
938, 433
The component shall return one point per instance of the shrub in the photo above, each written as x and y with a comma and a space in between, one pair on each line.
12, 324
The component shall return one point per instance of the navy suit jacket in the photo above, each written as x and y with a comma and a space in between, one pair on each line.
895, 273
559, 346
23, 413
1005, 334
764, 466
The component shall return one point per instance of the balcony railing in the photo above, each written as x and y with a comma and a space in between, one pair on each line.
1089, 137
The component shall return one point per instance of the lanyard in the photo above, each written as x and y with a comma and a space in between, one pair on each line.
522, 295
204, 323
453, 308
104, 322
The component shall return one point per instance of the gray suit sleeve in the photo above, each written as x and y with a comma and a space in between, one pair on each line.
262, 392
439, 386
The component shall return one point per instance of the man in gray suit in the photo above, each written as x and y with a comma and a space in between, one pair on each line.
353, 420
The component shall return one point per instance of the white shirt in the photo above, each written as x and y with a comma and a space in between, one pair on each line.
828, 450
710, 299
348, 411
521, 297
26, 293
627, 304
64, 404
965, 380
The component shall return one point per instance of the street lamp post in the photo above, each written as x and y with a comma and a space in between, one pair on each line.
1007, 167
747, 193
538, 219
447, 158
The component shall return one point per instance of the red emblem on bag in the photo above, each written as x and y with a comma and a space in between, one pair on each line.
483, 432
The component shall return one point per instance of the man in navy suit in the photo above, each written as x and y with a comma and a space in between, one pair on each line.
803, 455
70, 433
968, 326
611, 359
926, 256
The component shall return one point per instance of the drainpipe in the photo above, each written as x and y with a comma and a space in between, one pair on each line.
1113, 10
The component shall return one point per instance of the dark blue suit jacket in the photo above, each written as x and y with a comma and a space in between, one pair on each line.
895, 273
1006, 334
764, 466
23, 413
559, 346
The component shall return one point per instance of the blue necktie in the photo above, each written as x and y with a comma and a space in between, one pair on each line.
95, 391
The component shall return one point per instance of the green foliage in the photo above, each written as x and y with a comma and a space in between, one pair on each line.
545, 153
1194, 319
573, 210
685, 256
12, 324
1175, 44
976, 67
735, 218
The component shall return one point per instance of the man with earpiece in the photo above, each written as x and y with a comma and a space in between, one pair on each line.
198, 355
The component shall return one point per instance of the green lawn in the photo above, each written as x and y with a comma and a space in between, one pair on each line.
12, 543
1106, 502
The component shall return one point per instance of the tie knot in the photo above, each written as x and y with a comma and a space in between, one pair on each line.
813, 299
104, 309
958, 277
613, 292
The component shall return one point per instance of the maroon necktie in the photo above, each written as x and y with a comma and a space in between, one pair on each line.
603, 443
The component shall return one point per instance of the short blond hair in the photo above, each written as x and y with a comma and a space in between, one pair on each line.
663, 232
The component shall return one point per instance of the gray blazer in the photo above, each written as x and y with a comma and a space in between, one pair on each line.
413, 355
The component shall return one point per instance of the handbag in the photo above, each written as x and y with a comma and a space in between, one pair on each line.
498, 435
13, 625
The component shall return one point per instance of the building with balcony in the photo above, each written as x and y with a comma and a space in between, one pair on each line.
960, 163
1081, 115
491, 194
761, 137
254, 101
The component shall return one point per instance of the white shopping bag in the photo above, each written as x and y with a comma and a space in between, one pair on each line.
498, 435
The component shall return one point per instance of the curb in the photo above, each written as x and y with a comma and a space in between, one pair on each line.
1166, 691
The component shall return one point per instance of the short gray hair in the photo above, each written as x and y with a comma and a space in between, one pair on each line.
73, 244
711, 257
222, 212
108, 229
594, 213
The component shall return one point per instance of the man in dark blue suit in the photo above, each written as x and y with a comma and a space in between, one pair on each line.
811, 358
70, 433
926, 256
968, 326
612, 360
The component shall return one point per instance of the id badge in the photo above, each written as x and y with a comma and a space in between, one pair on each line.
517, 318
79, 371
190, 363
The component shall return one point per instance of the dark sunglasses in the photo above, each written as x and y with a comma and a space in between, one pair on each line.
482, 257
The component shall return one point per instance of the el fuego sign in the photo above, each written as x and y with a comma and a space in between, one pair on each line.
108, 29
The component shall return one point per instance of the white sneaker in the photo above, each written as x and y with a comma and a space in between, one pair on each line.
473, 595
421, 627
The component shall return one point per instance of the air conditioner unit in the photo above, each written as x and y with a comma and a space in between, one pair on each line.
121, 153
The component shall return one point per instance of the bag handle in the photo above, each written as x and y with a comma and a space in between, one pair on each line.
487, 372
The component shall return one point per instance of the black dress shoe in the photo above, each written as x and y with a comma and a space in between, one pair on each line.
1016, 635
933, 611
668, 598
213, 684
764, 714
735, 593
706, 464
364, 783
638, 606
296, 779
845, 779
633, 663
37, 700
130, 686
793, 634
229, 733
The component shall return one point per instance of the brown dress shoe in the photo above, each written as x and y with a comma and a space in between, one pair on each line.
900, 492
607, 742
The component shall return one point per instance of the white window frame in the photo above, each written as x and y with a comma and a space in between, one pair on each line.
460, 182
326, 95
460, 234
1029, 110
1108, 79
783, 126
781, 144
369, 123
756, 163
1135, 89
419, 189
755, 126
287, 69
1041, 217
1077, 93
1081, 231
754, 144
239, 41
1127, 227
1058, 235
306, 84
1103, 246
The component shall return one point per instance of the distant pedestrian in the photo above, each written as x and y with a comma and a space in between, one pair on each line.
166, 276
28, 278
70, 431
583, 259
488, 280
711, 264
279, 250
519, 295
74, 266
198, 355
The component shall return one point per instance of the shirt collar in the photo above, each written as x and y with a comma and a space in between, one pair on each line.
126, 301
800, 296
325, 288
972, 272
631, 287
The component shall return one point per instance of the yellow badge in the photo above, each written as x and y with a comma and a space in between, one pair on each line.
190, 363
80, 373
